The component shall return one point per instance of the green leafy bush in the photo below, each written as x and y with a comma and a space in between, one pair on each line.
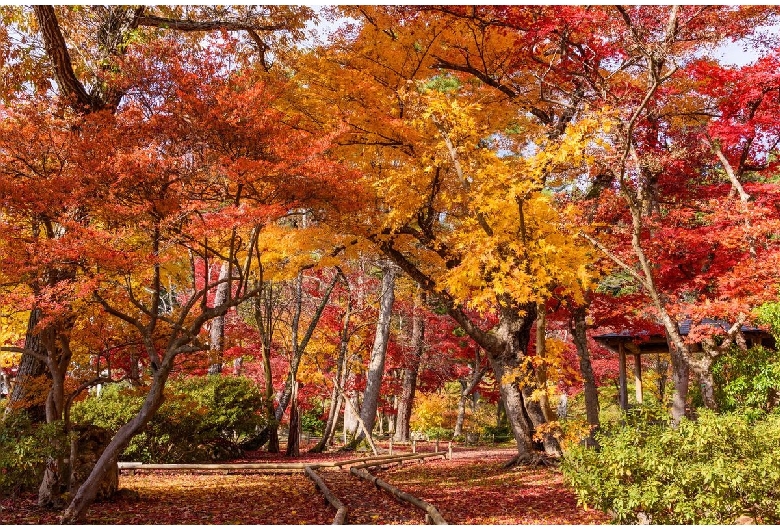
311, 420
438, 433
748, 380
497, 433
24, 449
202, 418
710, 471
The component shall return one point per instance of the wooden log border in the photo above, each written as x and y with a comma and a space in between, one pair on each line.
431, 513
341, 510
400, 459
271, 467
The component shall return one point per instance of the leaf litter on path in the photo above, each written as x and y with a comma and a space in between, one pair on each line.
473, 488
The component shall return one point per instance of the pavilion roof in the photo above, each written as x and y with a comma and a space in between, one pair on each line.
684, 326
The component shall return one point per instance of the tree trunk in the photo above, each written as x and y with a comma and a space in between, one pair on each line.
58, 356
376, 365
107, 461
707, 383
87, 444
238, 364
513, 404
294, 436
300, 347
458, 431
680, 377
335, 405
578, 328
5, 384
217, 329
350, 419
535, 412
134, 374
24, 395
466, 388
545, 413
409, 374
339, 380
263, 306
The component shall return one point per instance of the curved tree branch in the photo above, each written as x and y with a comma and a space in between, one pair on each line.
58, 53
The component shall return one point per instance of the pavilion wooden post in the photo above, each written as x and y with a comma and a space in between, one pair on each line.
623, 387
638, 377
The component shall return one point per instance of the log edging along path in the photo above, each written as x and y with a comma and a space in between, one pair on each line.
431, 513
341, 510
290, 467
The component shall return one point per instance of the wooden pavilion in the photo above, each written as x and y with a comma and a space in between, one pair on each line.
638, 343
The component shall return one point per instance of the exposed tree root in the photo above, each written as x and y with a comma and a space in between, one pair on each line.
533, 460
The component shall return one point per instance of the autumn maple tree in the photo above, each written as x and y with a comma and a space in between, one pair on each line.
117, 192
431, 196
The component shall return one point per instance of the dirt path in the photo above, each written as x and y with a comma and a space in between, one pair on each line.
366, 504
475, 488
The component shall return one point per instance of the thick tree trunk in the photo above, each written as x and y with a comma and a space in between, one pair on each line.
702, 366
376, 365
707, 383
57, 362
525, 415
107, 461
25, 394
350, 418
578, 328
535, 412
217, 329
409, 374
513, 404
87, 444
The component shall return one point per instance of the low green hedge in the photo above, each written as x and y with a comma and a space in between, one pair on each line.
709, 471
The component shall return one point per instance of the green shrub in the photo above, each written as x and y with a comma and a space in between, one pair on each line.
202, 418
748, 381
24, 449
231, 404
438, 433
497, 433
709, 471
311, 421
